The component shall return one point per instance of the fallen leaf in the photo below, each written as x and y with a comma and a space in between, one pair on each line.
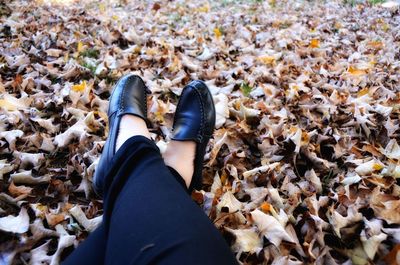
79, 215
79, 88
393, 257
54, 219
12, 103
270, 228
5, 168
15, 224
246, 240
25, 177
229, 202
217, 32
355, 71
16, 191
314, 43
369, 167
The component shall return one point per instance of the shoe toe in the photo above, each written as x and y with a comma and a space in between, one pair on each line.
129, 97
195, 113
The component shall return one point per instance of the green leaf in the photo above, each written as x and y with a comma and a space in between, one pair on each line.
91, 67
246, 89
375, 2
91, 53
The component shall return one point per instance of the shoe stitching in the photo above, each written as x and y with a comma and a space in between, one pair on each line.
200, 132
122, 109
144, 98
178, 107
122, 99
199, 136
111, 97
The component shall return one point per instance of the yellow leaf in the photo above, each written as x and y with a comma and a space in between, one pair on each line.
66, 57
217, 33
372, 63
159, 116
377, 166
79, 88
175, 65
102, 7
363, 92
385, 27
78, 35
354, 71
103, 115
295, 87
314, 43
205, 8
40, 210
80, 47
7, 105
375, 44
152, 51
293, 129
266, 59
272, 3
115, 17
338, 25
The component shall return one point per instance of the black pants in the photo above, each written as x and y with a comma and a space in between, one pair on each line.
148, 216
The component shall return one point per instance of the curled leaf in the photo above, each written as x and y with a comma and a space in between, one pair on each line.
246, 240
15, 224
270, 227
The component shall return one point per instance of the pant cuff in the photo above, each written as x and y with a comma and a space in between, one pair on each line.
178, 178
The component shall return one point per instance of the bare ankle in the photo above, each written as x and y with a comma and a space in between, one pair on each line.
180, 156
130, 126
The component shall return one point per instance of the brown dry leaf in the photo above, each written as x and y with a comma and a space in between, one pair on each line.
387, 207
393, 257
353, 70
54, 219
16, 191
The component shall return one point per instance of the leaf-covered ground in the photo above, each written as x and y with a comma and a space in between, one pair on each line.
304, 165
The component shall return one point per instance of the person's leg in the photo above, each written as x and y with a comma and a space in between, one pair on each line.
150, 217
92, 250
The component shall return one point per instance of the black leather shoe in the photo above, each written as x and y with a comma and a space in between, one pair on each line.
194, 121
129, 96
